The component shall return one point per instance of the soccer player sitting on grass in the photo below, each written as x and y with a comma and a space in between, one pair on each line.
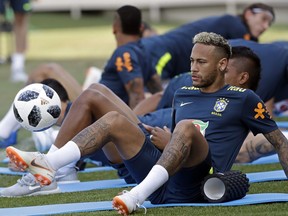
244, 71
174, 175
271, 85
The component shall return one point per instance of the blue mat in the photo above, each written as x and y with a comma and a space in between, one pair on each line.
265, 160
276, 175
282, 124
106, 205
6, 171
94, 185
120, 183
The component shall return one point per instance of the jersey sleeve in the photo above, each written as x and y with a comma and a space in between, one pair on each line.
256, 116
127, 64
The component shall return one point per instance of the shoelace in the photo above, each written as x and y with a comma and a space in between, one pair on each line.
138, 205
26, 180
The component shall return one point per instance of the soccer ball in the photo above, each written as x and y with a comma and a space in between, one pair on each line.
37, 107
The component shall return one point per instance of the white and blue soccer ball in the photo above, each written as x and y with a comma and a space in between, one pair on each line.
37, 107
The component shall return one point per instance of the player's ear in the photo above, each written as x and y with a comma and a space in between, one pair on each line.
244, 78
248, 14
222, 65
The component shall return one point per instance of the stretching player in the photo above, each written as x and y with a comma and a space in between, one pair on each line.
128, 71
174, 47
174, 176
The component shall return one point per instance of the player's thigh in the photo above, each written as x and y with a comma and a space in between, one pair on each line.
127, 136
110, 101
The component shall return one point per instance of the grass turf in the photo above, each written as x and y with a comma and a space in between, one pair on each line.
76, 45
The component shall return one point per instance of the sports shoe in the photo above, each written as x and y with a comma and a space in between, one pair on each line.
35, 162
18, 75
126, 203
11, 140
12, 167
67, 177
27, 186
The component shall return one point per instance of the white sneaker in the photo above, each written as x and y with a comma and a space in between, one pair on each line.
126, 203
27, 186
67, 177
18, 76
35, 162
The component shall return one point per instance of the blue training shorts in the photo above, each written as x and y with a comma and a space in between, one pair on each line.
183, 187
19, 6
160, 118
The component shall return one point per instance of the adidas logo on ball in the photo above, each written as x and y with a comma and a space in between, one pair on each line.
44, 102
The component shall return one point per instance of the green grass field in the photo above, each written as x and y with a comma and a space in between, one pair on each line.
76, 45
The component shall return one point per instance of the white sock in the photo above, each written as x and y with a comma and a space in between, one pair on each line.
53, 148
93, 75
18, 60
65, 168
8, 124
69, 153
157, 176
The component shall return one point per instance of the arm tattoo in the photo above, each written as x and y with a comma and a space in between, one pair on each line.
177, 152
280, 143
135, 90
258, 148
93, 137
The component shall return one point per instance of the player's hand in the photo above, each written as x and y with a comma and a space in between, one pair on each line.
160, 137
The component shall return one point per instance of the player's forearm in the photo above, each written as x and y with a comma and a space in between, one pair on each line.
280, 143
135, 90
253, 148
155, 84
148, 105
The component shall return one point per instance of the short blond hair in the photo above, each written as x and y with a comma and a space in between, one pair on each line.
213, 39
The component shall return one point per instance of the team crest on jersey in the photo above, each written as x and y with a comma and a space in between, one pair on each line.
221, 104
200, 125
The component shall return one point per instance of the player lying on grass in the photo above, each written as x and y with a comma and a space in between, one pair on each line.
226, 114
244, 71
174, 47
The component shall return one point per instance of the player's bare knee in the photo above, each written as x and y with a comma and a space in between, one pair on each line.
116, 117
91, 95
96, 86
186, 127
